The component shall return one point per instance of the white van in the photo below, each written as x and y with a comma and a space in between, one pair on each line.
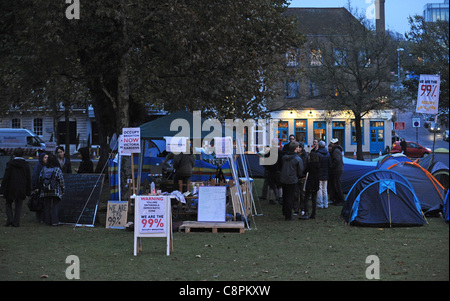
10, 139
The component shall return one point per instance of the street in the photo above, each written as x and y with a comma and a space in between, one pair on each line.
424, 137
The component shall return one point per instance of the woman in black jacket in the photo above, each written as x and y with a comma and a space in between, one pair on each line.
86, 165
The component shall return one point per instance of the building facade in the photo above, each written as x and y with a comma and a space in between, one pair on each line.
82, 126
302, 110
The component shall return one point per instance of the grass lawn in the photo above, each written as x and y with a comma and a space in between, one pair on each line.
320, 249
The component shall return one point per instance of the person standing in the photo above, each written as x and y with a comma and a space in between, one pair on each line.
43, 157
311, 185
86, 165
324, 170
51, 182
16, 186
64, 163
337, 167
403, 145
291, 172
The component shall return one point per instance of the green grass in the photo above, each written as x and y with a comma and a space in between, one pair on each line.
320, 249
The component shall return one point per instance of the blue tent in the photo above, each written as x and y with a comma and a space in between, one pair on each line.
353, 170
382, 198
446, 208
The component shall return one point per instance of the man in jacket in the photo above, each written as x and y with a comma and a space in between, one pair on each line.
291, 172
16, 186
324, 171
337, 166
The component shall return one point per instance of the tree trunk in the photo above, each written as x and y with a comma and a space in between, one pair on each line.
359, 140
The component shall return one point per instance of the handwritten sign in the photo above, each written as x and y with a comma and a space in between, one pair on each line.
116, 216
428, 95
212, 201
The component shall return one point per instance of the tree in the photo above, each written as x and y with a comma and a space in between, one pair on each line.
217, 56
429, 51
354, 74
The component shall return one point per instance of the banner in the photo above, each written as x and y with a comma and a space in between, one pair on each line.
428, 95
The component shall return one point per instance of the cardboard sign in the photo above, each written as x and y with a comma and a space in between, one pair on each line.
116, 216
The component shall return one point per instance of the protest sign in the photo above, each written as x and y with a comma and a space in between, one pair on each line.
428, 94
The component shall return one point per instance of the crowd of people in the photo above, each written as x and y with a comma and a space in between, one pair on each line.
45, 185
299, 177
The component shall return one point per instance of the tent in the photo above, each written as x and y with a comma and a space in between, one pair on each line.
440, 155
446, 208
398, 157
429, 191
438, 165
353, 170
382, 198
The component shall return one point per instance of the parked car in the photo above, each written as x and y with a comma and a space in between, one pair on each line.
445, 135
413, 149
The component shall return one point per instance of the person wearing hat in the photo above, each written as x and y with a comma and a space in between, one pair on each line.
291, 172
336, 196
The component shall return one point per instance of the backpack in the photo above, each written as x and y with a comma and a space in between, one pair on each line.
48, 179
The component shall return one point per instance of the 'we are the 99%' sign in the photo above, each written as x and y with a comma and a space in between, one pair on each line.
152, 216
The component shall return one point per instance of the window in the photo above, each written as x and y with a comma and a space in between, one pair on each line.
320, 130
300, 130
353, 129
316, 57
283, 131
340, 57
38, 126
313, 90
292, 58
292, 89
15, 123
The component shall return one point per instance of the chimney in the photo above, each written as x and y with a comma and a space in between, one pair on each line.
380, 16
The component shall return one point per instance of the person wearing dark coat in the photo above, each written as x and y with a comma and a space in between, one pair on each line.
16, 186
43, 157
86, 165
337, 167
311, 185
64, 163
291, 172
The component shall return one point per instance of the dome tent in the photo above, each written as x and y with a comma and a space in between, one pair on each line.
382, 198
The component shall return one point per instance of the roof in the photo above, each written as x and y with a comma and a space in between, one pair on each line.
320, 21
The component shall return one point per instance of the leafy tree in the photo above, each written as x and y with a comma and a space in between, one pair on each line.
217, 56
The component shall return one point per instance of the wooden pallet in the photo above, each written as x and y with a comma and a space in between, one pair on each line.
187, 226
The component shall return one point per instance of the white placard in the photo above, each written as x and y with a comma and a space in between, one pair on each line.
176, 144
152, 218
428, 95
223, 147
212, 202
131, 142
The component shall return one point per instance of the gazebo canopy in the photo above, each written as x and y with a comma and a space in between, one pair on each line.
182, 124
